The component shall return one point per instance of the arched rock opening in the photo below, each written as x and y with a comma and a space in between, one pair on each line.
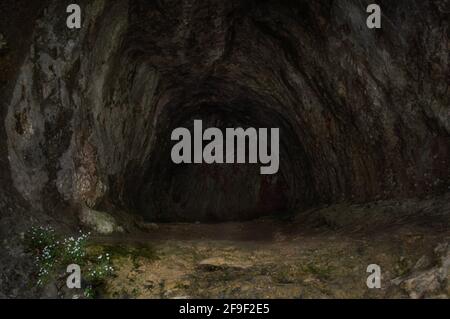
218, 192
89, 119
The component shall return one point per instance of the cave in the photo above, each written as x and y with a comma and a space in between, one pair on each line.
88, 113
213, 192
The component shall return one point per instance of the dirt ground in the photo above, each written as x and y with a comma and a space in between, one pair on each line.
265, 259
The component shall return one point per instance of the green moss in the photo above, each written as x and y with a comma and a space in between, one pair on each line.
120, 252
403, 266
321, 271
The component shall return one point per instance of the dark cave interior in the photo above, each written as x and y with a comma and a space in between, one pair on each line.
89, 119
216, 192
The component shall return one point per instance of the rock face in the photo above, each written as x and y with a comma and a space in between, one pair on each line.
363, 114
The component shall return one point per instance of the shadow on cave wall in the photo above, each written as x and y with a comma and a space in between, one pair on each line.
363, 113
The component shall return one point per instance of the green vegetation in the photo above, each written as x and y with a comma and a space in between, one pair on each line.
53, 253
321, 271
120, 251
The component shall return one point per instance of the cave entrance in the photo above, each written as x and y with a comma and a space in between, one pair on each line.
215, 192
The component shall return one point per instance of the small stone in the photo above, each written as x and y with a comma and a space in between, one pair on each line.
120, 229
423, 263
220, 263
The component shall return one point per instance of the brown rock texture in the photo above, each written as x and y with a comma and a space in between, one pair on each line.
87, 114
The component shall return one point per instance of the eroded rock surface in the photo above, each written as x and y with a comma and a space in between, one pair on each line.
363, 113
432, 282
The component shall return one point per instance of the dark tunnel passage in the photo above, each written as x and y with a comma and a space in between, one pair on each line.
222, 192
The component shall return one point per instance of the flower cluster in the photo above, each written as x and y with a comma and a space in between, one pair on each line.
40, 237
74, 248
46, 262
101, 269
53, 253
42, 241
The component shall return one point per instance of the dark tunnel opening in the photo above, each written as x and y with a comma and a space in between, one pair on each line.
222, 192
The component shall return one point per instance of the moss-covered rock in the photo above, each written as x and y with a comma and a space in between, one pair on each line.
101, 222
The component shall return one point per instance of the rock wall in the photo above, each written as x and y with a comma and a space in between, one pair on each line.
363, 114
